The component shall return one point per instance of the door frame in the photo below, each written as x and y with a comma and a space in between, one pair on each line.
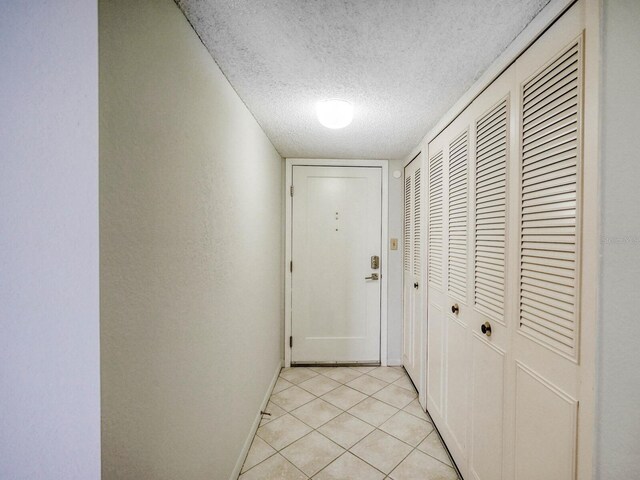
384, 254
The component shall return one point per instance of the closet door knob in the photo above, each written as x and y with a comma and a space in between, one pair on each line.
415, 285
486, 329
455, 309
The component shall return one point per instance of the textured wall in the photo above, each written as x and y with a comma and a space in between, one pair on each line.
190, 217
618, 417
49, 318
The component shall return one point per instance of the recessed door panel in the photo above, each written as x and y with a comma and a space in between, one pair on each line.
487, 410
435, 358
457, 381
545, 441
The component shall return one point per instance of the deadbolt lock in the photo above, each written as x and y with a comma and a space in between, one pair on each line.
375, 262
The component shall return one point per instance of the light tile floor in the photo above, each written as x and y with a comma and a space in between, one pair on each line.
346, 423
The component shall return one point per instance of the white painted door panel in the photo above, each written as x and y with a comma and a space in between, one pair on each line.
336, 229
487, 410
412, 268
548, 370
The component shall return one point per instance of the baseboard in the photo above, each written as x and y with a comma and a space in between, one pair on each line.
254, 427
394, 362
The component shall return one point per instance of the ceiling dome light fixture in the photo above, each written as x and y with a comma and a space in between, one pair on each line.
334, 113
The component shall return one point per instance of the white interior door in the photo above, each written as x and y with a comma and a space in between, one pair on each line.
336, 288
412, 269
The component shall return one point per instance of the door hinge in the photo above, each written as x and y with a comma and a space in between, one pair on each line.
290, 342
291, 266
291, 190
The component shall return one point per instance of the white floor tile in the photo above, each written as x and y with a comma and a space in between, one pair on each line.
388, 374
406, 427
344, 397
316, 413
367, 384
342, 374
274, 468
281, 384
312, 453
405, 382
349, 467
373, 411
259, 451
274, 410
419, 466
415, 409
363, 369
292, 398
283, 431
297, 374
319, 385
433, 446
393, 395
381, 450
346, 430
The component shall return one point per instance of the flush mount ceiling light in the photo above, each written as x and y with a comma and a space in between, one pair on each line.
334, 113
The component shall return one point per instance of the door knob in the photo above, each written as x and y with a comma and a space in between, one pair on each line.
455, 309
486, 329
374, 276
416, 285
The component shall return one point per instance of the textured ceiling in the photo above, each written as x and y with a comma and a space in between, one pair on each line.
402, 63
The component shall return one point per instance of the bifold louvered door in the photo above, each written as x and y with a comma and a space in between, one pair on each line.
546, 335
466, 248
412, 268
503, 263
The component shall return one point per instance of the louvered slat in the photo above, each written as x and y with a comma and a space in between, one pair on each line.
407, 224
416, 223
458, 211
490, 211
434, 257
549, 181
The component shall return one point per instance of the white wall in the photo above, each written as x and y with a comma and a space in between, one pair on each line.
394, 285
191, 297
618, 417
49, 337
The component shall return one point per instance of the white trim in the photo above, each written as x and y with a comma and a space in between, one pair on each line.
547, 16
384, 165
254, 427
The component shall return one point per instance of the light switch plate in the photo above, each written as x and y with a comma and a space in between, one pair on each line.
394, 244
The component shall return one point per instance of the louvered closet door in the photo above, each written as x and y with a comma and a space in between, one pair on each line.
457, 356
489, 313
471, 211
546, 340
449, 286
505, 378
412, 266
436, 298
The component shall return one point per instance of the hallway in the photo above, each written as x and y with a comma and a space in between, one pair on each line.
198, 195
360, 423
